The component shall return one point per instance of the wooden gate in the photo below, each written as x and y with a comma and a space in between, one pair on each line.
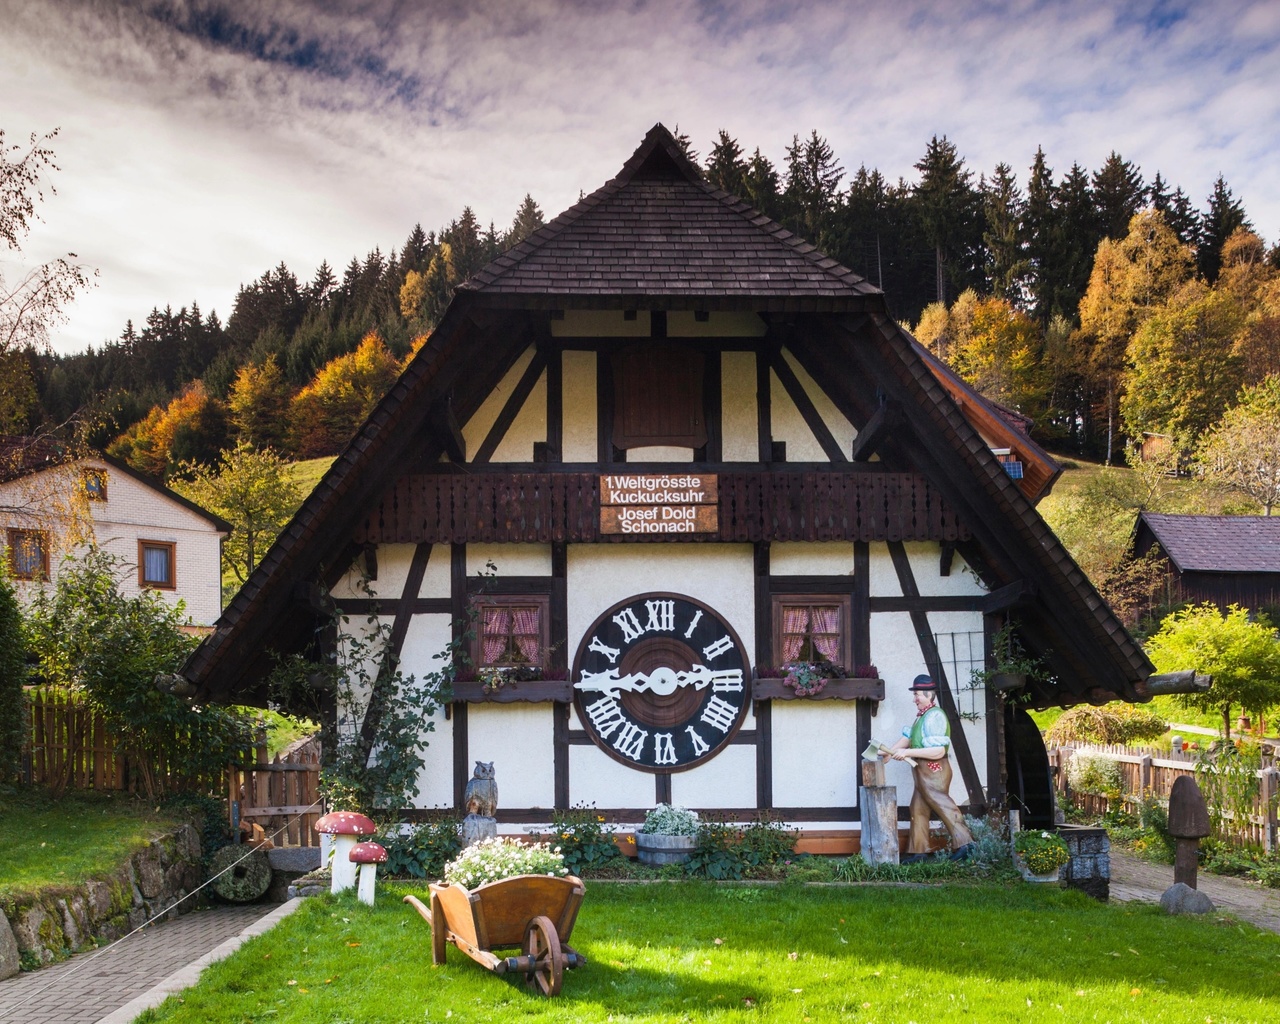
281, 794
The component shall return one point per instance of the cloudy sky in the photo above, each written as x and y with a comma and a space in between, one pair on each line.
201, 142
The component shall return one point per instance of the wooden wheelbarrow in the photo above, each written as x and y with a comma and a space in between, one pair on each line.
534, 912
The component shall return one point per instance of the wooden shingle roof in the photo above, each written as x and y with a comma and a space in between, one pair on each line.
1218, 543
660, 236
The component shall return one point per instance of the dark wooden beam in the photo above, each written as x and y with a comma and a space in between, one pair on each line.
458, 598
1008, 596
555, 404
884, 422
946, 557
796, 392
392, 606
929, 649
861, 626
385, 680
511, 408
445, 423
712, 400
763, 709
764, 407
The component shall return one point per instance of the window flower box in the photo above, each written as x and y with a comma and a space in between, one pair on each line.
533, 691
776, 688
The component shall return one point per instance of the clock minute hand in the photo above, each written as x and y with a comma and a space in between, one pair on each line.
661, 681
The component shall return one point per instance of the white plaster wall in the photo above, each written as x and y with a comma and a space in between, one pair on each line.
530, 425
815, 755
825, 558
428, 636
511, 559
925, 563
477, 427
578, 377
739, 425
596, 778
682, 323
959, 674
883, 576
727, 780
841, 429
601, 323
132, 512
437, 581
719, 575
518, 739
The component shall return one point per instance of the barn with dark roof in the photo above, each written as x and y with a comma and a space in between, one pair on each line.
1224, 560
697, 452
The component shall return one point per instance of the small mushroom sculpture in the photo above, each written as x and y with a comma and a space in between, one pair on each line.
1188, 824
346, 828
368, 856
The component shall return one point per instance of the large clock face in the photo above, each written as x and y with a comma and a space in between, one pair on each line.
661, 682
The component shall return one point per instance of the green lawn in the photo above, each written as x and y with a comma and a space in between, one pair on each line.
700, 952
46, 843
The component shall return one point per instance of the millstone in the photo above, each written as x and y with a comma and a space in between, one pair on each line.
246, 881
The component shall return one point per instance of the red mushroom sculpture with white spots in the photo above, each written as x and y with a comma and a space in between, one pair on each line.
367, 856
346, 828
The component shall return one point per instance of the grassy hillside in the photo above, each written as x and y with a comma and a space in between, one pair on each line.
308, 473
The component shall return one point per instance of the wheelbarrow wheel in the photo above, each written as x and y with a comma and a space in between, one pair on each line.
542, 946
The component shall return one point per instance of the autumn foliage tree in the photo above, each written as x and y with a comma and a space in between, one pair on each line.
191, 428
1243, 449
259, 405
324, 414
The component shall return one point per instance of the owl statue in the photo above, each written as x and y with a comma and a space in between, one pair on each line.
481, 795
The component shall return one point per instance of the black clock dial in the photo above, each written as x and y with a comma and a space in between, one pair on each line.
661, 682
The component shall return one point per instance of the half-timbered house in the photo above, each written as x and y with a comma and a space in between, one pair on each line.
695, 449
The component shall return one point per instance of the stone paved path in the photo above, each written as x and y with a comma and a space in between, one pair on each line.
1135, 879
87, 987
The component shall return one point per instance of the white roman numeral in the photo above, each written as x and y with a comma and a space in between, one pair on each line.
714, 650
662, 616
664, 749
630, 741
609, 652
605, 715
693, 624
719, 714
700, 745
629, 624
727, 681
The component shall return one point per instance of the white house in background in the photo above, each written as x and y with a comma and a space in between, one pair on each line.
52, 505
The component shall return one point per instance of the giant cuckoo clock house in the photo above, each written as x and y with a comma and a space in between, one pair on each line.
652, 459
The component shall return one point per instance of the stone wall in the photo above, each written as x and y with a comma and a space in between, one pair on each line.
1089, 869
54, 922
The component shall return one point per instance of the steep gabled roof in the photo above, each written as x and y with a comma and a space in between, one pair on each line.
1217, 543
659, 236
659, 232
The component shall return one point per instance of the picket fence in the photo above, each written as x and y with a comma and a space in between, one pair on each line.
69, 747
1148, 773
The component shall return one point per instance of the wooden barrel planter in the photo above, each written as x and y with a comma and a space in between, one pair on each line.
656, 850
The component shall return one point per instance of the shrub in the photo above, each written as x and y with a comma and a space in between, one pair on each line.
494, 859
584, 841
13, 674
990, 841
669, 820
422, 851
726, 850
1095, 773
1113, 723
1041, 852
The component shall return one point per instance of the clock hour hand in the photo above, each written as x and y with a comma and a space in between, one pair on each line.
661, 681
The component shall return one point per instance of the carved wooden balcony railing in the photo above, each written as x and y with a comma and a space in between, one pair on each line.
545, 507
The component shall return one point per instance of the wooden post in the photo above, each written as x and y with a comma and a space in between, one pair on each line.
1144, 777
1268, 783
878, 807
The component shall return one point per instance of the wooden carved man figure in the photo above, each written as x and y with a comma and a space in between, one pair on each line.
926, 743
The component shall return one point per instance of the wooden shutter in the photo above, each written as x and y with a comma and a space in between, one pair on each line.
658, 397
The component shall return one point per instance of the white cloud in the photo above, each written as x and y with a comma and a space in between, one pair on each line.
199, 149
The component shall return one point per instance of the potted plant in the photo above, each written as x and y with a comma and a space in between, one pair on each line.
1039, 855
806, 678
668, 836
1013, 666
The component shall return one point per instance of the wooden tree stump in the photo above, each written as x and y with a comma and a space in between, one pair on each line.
879, 812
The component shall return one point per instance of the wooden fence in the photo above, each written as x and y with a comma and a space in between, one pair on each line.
1150, 773
69, 747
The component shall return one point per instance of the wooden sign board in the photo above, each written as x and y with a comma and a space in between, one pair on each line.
660, 489
659, 503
